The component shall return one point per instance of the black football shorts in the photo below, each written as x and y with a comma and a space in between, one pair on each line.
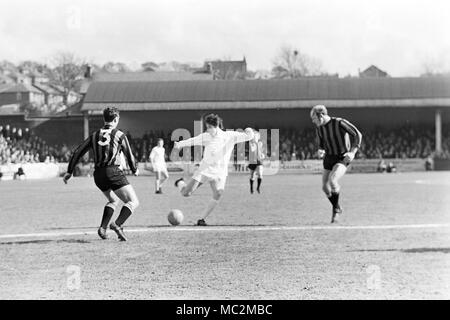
253, 166
110, 178
330, 160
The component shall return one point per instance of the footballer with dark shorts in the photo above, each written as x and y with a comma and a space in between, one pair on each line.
339, 140
107, 144
256, 156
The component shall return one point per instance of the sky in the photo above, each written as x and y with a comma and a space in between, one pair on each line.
398, 36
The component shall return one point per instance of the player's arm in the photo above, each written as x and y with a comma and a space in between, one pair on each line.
126, 149
321, 143
356, 138
261, 150
152, 155
239, 137
195, 141
79, 152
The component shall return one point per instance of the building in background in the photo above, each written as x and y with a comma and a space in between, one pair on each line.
373, 72
22, 94
224, 70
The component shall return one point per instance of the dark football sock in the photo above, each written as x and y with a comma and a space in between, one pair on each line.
107, 215
331, 199
335, 199
125, 213
259, 183
251, 185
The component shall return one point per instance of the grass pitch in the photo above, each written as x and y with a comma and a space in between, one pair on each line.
393, 241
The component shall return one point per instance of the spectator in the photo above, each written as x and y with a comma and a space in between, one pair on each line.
429, 163
381, 166
391, 167
20, 174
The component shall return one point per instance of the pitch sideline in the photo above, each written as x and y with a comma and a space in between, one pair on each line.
229, 228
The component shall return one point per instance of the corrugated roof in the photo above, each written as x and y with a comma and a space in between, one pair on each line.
149, 76
256, 94
270, 90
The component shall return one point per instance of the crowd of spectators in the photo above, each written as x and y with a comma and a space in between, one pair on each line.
400, 143
21, 145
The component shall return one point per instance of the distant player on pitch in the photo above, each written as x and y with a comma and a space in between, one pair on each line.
256, 156
107, 145
213, 168
334, 135
157, 158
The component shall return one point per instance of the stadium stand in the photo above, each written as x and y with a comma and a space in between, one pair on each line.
22, 145
19, 145
402, 143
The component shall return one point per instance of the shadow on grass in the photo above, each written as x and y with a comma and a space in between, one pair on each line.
412, 250
44, 241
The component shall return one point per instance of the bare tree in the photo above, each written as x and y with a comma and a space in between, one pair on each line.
115, 67
149, 66
435, 67
290, 63
67, 70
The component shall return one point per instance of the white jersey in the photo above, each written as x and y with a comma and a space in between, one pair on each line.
256, 152
218, 149
157, 158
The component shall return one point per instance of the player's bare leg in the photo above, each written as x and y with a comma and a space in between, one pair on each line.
108, 211
157, 181
336, 174
187, 189
162, 178
217, 194
128, 196
326, 187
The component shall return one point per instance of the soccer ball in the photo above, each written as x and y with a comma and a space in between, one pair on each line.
175, 217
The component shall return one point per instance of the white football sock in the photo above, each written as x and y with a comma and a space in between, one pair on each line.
181, 184
211, 205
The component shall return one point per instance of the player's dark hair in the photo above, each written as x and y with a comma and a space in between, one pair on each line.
110, 113
214, 120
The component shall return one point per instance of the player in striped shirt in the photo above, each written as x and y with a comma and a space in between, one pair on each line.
339, 140
256, 156
107, 145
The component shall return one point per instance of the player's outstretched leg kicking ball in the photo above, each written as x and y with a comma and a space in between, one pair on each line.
107, 145
213, 168
337, 153
256, 157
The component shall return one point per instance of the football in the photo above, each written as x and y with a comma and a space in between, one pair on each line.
175, 217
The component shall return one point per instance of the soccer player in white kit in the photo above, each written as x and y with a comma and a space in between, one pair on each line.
157, 158
219, 145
